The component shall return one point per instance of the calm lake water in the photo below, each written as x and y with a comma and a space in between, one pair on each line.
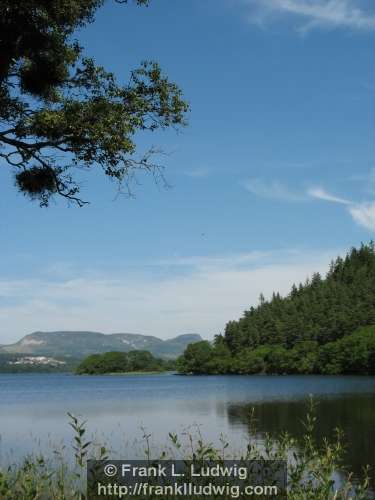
33, 410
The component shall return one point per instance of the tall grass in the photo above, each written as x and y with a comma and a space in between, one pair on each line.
315, 471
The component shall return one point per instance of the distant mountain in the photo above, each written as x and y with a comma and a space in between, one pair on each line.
81, 344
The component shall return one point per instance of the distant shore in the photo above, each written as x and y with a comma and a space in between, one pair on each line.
165, 372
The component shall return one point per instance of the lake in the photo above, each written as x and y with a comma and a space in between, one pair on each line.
119, 409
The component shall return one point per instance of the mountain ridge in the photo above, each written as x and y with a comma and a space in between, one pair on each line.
82, 343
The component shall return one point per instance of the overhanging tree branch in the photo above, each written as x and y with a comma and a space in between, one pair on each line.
60, 111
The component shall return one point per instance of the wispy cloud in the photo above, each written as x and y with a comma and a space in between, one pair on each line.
321, 194
272, 190
364, 215
276, 190
352, 14
203, 263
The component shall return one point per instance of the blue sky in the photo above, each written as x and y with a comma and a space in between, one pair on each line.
274, 175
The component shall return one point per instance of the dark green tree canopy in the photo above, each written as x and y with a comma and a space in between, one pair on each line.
120, 362
60, 111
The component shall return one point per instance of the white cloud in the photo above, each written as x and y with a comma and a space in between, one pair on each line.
275, 190
321, 194
352, 14
364, 215
199, 297
272, 190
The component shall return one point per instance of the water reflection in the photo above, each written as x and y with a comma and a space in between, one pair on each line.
354, 414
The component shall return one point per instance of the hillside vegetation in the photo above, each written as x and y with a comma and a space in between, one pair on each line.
321, 326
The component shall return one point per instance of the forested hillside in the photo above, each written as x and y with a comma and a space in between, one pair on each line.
287, 334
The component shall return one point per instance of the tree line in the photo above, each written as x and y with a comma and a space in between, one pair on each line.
122, 362
321, 326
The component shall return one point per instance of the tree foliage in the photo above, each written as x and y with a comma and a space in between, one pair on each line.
353, 354
320, 310
322, 326
120, 362
59, 111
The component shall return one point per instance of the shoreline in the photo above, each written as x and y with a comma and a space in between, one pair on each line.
125, 374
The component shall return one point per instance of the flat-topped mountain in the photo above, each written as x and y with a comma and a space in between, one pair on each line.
81, 344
